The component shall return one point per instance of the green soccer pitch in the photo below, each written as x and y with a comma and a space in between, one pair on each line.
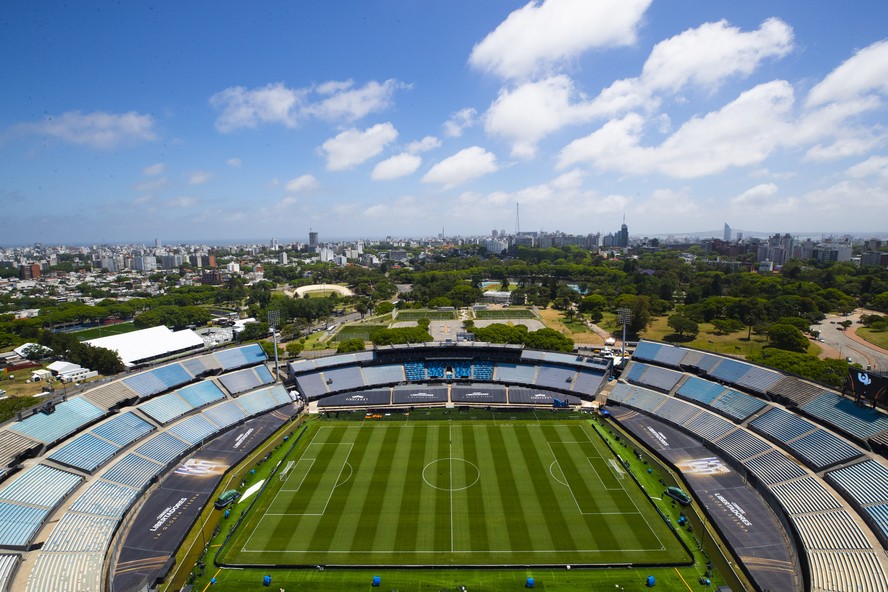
442, 493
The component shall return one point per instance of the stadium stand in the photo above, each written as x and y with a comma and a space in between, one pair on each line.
736, 405
155, 381
675, 411
385, 374
758, 380
708, 426
699, 361
105, 499
773, 467
166, 408
821, 450
833, 529
515, 373
225, 414
557, 377
846, 416
415, 371
69, 417
647, 351
344, 378
484, 371
781, 426
264, 399
198, 367
634, 371
836, 570
264, 374
66, 572
435, 370
245, 380
132, 470
233, 359
865, 482
194, 429
201, 393
792, 391
699, 390
462, 369
81, 533
14, 446
805, 496
878, 515
728, 370
163, 448
588, 382
8, 566
636, 397
313, 384
111, 395
742, 445
659, 379
123, 429
27, 502
86, 452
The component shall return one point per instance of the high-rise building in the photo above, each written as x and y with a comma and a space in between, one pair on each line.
157, 244
312, 239
622, 238
274, 244
29, 271
282, 257
727, 233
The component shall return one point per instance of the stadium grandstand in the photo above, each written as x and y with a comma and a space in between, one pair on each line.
104, 453
463, 373
802, 446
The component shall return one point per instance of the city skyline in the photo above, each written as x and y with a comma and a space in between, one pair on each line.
131, 122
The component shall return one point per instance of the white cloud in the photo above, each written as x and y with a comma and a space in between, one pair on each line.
154, 169
668, 203
233, 162
302, 183
183, 201
153, 184
755, 196
198, 178
861, 143
346, 103
704, 57
460, 121
874, 165
277, 104
529, 112
744, 132
561, 201
98, 129
464, 165
395, 167
424, 145
863, 73
352, 147
547, 33
248, 108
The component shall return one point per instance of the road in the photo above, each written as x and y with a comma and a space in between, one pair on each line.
844, 344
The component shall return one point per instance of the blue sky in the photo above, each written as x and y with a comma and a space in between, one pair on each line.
219, 120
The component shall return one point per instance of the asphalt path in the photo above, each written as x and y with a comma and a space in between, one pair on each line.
846, 344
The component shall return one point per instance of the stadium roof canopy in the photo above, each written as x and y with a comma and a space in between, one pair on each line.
141, 347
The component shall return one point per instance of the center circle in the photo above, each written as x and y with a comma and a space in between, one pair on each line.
450, 474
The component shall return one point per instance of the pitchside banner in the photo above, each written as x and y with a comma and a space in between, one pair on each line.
867, 385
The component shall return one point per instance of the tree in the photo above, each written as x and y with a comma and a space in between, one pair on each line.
783, 336
253, 331
384, 308
683, 325
294, 348
725, 326
350, 345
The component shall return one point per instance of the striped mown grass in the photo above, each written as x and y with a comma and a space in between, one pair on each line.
452, 493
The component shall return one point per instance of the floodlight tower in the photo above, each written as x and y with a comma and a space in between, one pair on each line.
274, 319
624, 316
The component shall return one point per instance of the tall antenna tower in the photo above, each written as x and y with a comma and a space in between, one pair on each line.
517, 219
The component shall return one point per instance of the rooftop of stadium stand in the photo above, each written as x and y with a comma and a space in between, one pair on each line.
140, 347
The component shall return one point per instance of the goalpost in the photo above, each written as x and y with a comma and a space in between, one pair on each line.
286, 470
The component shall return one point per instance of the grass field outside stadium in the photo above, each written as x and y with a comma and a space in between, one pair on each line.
507, 313
432, 315
446, 493
356, 332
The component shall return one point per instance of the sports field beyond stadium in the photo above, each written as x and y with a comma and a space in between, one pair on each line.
442, 493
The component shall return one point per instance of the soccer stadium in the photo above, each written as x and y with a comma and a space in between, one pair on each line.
447, 465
